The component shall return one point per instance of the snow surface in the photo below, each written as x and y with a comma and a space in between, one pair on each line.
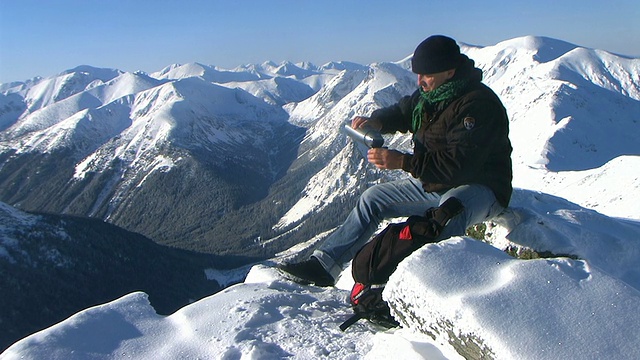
525, 309
264, 318
556, 308
533, 309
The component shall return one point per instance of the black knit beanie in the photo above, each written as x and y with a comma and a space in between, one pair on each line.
436, 54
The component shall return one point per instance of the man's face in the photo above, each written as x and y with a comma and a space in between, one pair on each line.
429, 82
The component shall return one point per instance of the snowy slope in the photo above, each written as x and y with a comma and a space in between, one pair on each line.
264, 318
574, 115
515, 309
323, 114
276, 91
56, 99
554, 308
157, 116
584, 113
54, 266
460, 289
208, 73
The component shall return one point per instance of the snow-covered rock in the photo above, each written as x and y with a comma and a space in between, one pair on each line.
578, 303
489, 305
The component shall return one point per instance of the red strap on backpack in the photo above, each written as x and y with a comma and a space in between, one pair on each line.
405, 234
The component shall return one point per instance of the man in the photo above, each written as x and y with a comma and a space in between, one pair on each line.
461, 149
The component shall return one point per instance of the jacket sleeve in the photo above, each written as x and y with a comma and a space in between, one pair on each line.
397, 117
470, 138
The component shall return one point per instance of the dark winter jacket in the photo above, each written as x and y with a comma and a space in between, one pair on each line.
464, 142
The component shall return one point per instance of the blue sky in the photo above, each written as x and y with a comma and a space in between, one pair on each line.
45, 37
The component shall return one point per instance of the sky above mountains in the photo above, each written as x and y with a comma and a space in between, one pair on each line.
44, 38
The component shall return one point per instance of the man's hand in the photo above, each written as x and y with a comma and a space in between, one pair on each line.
359, 121
384, 158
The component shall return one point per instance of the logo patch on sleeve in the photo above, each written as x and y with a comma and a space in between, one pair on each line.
469, 122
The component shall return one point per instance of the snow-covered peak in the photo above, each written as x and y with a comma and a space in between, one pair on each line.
307, 65
178, 71
342, 65
103, 74
123, 85
550, 86
18, 86
48, 106
208, 73
58, 88
406, 62
542, 49
269, 65
275, 90
215, 100
188, 113
350, 93
315, 107
68, 83
290, 69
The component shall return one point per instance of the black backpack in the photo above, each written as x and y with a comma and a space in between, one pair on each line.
377, 260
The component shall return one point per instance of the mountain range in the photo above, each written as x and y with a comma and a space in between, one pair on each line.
247, 162
186, 155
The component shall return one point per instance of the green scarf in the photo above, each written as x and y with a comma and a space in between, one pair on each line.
446, 92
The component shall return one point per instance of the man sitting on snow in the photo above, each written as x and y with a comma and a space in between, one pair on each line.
461, 149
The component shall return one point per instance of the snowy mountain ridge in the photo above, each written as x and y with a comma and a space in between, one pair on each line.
538, 78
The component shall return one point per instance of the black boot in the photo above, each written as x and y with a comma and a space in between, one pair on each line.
308, 272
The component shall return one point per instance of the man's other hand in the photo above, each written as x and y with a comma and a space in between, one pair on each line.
384, 158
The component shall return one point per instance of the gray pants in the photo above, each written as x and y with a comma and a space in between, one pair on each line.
401, 198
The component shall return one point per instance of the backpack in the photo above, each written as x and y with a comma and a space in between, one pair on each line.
378, 259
